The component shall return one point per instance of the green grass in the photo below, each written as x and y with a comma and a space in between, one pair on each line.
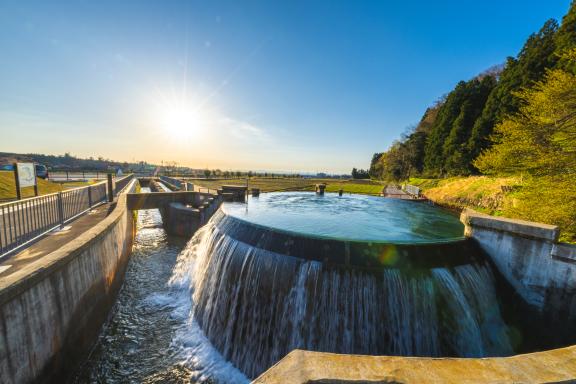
8, 186
536, 200
482, 193
297, 184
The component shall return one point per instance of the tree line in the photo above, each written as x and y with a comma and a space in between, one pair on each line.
453, 133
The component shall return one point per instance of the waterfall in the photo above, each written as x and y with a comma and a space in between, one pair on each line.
255, 305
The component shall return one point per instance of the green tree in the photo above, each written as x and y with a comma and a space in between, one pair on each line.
541, 138
445, 150
539, 141
538, 54
565, 39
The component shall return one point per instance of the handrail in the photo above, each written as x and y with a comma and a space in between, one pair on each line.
24, 221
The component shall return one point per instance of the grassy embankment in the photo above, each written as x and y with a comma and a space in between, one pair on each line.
501, 196
367, 187
8, 187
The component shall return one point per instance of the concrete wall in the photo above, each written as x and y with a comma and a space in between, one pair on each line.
528, 255
541, 270
51, 311
181, 220
183, 212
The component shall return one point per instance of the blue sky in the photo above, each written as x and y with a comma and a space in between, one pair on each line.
276, 85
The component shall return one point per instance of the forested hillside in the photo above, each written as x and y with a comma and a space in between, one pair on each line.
515, 124
454, 132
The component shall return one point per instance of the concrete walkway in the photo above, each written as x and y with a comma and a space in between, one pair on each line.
54, 240
394, 192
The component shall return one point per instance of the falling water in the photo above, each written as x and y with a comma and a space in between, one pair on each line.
255, 306
150, 337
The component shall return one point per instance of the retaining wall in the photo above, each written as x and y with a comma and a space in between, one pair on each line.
529, 256
52, 310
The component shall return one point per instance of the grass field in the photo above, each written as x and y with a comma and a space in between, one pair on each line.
8, 187
367, 187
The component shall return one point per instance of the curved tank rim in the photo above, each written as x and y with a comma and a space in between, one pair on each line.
364, 254
343, 239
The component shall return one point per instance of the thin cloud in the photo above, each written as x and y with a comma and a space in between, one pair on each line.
243, 130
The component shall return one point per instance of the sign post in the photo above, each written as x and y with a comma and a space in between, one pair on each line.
17, 182
25, 176
110, 188
35, 182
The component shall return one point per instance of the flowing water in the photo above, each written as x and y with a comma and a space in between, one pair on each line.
150, 336
255, 306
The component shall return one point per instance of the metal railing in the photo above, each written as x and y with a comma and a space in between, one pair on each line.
76, 175
24, 221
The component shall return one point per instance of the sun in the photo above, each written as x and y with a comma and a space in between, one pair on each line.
180, 119
181, 122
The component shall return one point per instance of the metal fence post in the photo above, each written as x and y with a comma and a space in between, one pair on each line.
89, 196
60, 210
110, 189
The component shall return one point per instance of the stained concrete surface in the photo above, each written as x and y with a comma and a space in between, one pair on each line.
299, 367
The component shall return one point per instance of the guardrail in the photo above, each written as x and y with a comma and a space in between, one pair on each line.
24, 221
76, 175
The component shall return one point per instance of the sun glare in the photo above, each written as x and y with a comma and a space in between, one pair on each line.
181, 123
180, 120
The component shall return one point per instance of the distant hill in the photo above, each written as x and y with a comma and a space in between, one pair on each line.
69, 162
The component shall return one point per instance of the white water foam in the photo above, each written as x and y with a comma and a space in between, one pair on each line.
195, 350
